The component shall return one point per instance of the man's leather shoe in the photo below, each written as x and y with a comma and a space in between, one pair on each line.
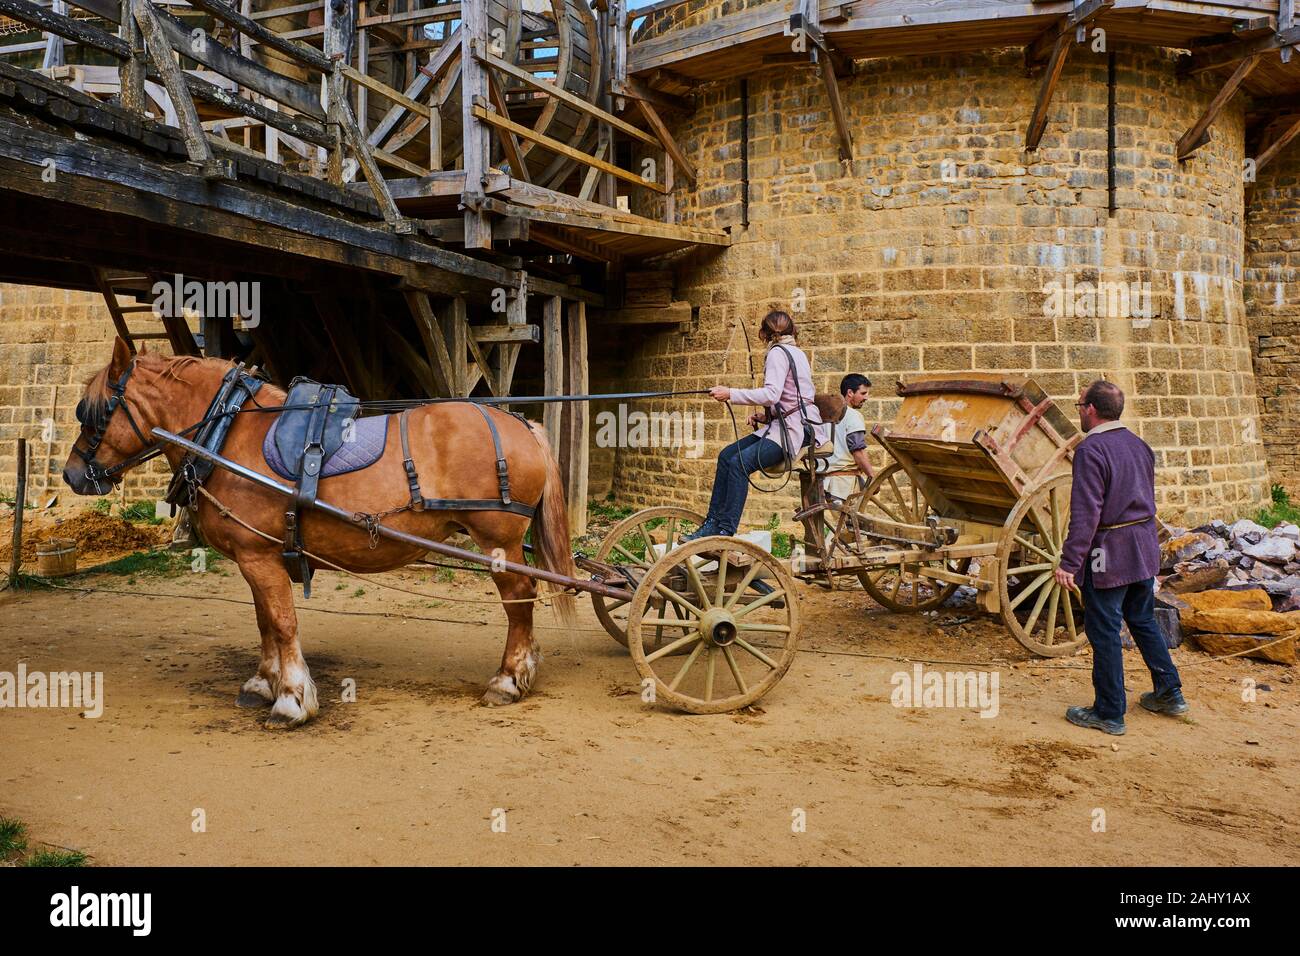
1172, 703
1085, 717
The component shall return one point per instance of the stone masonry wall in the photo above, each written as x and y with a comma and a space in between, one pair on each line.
1273, 305
52, 341
935, 250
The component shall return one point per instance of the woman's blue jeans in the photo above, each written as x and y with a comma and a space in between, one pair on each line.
737, 462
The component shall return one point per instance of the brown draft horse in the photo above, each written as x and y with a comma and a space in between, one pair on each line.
452, 451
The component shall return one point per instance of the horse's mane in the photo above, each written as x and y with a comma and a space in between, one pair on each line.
165, 367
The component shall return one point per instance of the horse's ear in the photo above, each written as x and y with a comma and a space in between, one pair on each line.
121, 358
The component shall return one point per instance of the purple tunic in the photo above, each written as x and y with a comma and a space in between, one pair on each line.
1114, 482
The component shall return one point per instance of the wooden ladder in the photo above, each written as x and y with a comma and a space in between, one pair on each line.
176, 333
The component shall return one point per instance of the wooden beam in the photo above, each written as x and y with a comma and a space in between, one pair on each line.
665, 138
475, 148
675, 313
160, 51
446, 54
1285, 21
552, 367
578, 452
563, 149
1055, 65
564, 96
508, 141
300, 52
837, 110
383, 89
1040, 50
637, 89
1231, 53
496, 334
1198, 134
1279, 142
78, 31
434, 343
455, 332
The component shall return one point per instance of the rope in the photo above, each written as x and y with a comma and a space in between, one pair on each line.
227, 513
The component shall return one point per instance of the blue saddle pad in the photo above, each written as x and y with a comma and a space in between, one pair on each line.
369, 436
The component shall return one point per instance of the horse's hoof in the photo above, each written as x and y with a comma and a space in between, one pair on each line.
286, 713
251, 701
501, 690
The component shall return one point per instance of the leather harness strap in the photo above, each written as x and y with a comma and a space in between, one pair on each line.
313, 457
421, 503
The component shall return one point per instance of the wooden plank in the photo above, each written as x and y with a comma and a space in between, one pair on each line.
563, 149
1197, 135
131, 72
300, 52
1055, 65
455, 332
508, 141
666, 139
442, 11
397, 162
1231, 53
434, 343
370, 83
837, 112
78, 31
160, 51
495, 334
1285, 136
564, 96
552, 367
578, 457
646, 228
675, 313
299, 127
425, 75
475, 149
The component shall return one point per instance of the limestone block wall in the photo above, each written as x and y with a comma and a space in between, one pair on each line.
938, 246
1273, 306
52, 341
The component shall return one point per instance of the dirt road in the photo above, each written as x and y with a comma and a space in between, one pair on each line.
583, 772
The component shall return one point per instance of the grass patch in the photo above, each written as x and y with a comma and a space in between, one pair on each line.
55, 858
1281, 511
141, 512
157, 564
101, 507
13, 838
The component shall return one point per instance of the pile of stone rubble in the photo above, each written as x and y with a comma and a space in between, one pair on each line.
1231, 588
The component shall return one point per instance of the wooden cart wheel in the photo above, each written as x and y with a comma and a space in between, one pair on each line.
1039, 612
892, 496
633, 543
742, 628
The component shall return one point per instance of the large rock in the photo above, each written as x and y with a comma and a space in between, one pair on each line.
1288, 531
1251, 599
1274, 549
1190, 578
1170, 626
1253, 645
1244, 527
1240, 620
1184, 547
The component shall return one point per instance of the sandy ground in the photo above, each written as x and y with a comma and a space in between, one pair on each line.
414, 772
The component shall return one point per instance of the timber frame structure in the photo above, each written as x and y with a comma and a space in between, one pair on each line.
422, 190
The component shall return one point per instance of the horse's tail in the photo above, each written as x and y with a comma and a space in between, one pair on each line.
551, 529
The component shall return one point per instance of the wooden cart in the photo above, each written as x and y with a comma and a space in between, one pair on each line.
977, 493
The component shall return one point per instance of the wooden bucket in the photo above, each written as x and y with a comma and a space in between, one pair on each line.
56, 557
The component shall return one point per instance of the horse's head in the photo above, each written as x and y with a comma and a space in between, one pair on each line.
112, 432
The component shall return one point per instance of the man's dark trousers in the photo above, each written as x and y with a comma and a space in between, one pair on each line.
1104, 610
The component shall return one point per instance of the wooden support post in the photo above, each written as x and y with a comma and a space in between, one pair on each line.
474, 133
1055, 65
1284, 136
160, 51
434, 344
1285, 20
552, 367
1198, 135
578, 458
660, 129
54, 42
20, 502
131, 72
606, 191
518, 168
455, 331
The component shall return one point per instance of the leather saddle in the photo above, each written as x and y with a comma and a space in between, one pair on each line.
319, 426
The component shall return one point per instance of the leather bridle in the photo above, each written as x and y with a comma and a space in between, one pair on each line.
96, 472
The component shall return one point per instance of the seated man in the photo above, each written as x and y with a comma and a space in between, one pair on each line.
850, 442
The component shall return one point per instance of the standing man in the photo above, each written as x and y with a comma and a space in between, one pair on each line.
1112, 540
850, 440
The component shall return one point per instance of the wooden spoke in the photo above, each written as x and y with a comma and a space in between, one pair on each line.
1069, 617
765, 628
1043, 595
679, 600
722, 579
681, 674
669, 648
764, 600
741, 642
693, 573
744, 583
1027, 568
710, 664
1050, 636
1033, 547
631, 557
738, 677
1037, 583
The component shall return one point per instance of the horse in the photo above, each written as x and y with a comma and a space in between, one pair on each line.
449, 444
